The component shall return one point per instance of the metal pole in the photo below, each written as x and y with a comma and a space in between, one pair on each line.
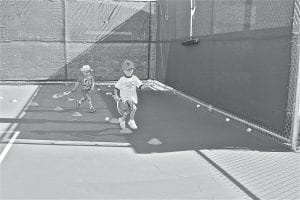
212, 17
193, 8
65, 38
158, 37
248, 13
296, 117
149, 38
295, 44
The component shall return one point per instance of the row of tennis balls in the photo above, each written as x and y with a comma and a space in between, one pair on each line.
227, 119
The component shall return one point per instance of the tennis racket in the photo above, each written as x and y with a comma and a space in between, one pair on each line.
61, 94
123, 107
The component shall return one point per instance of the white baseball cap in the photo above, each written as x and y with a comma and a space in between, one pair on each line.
86, 68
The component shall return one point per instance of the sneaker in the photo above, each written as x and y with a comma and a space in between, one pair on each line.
78, 103
122, 123
92, 110
132, 124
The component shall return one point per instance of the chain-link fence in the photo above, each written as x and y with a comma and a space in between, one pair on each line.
293, 108
245, 65
50, 40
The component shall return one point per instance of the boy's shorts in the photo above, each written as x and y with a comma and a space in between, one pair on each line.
131, 101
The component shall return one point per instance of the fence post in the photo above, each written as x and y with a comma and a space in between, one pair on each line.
149, 40
65, 39
296, 61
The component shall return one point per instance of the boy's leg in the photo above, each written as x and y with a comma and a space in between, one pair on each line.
79, 102
83, 98
122, 121
131, 121
134, 108
92, 109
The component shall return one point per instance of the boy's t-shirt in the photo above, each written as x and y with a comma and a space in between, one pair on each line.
127, 87
86, 82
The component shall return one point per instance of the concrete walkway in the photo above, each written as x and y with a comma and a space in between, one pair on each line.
266, 175
84, 172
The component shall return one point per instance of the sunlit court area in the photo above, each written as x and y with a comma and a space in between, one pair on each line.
212, 111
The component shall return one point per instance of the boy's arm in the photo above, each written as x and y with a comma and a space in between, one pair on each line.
116, 94
93, 83
141, 85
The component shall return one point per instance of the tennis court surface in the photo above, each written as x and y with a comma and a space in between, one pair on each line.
173, 119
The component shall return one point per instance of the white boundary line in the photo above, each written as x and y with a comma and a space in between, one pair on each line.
26, 106
11, 130
71, 143
13, 127
31, 98
8, 146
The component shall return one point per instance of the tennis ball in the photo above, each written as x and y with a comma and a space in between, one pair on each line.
198, 106
106, 119
227, 119
13, 101
249, 130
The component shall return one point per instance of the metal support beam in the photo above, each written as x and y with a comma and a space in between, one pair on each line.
296, 62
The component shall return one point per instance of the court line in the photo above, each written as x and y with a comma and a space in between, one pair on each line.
70, 143
12, 127
8, 146
21, 113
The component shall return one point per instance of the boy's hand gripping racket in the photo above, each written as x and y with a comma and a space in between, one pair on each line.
61, 94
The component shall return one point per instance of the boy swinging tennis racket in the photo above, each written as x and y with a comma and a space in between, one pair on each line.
126, 96
87, 83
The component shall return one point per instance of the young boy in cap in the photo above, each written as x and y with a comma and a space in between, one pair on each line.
86, 81
125, 89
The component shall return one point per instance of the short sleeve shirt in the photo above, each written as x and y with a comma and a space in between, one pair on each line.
127, 87
86, 82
